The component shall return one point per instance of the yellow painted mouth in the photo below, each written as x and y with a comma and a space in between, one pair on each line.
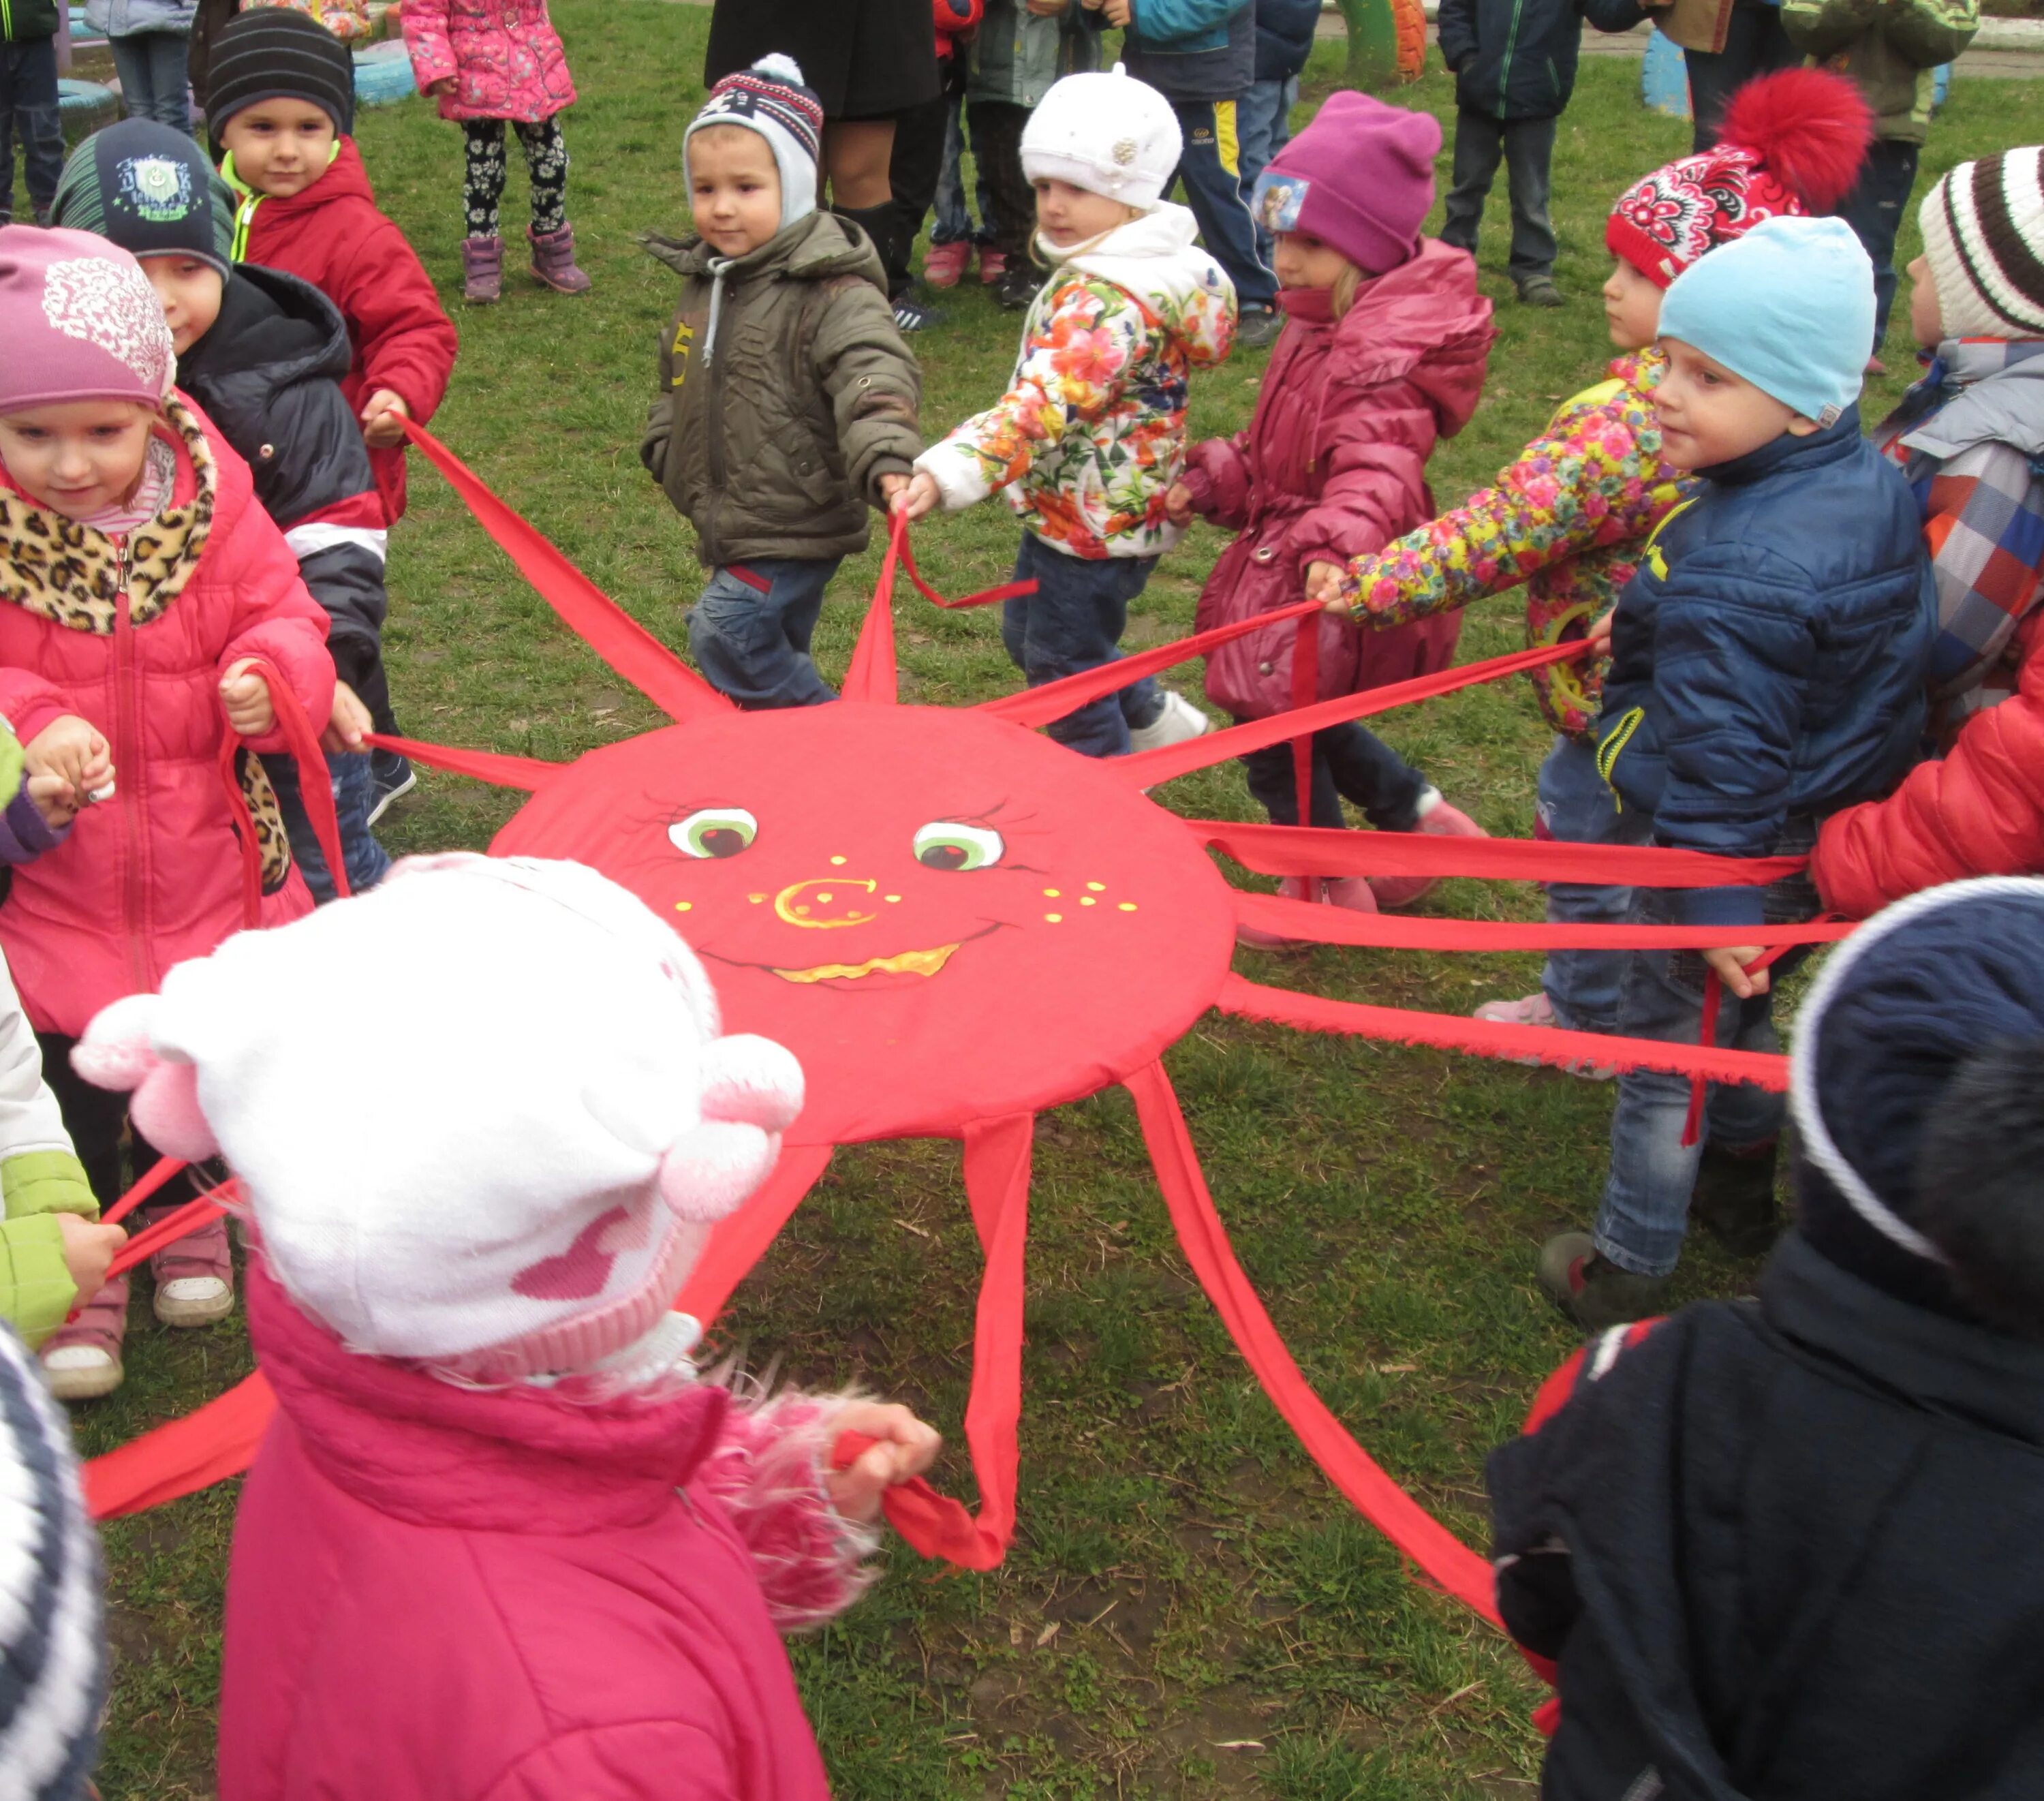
904, 963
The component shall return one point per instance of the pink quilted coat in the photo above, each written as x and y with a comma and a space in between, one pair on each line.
1334, 465
504, 56
447, 1593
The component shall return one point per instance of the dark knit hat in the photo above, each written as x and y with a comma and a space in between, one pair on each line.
1917, 1102
278, 53
1983, 237
149, 189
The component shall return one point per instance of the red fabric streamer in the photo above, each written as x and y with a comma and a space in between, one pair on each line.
872, 675
898, 532
740, 1241
1417, 932
160, 1172
178, 1223
218, 1441
302, 738
1305, 684
1445, 1559
526, 772
587, 611
1707, 1032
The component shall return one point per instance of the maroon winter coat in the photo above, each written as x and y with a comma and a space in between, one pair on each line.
1334, 465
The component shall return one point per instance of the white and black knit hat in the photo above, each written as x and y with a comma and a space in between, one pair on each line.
770, 98
52, 1649
1983, 235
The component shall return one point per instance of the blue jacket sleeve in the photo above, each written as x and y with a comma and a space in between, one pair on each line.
1166, 22
1732, 653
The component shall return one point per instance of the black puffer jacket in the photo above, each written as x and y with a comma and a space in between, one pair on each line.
268, 375
1516, 59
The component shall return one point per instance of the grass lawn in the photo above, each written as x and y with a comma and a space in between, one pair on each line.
1189, 1608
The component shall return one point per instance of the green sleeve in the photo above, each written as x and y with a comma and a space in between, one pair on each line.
40, 1182
12, 771
1926, 32
1823, 28
35, 1289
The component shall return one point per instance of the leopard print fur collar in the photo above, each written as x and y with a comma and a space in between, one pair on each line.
70, 574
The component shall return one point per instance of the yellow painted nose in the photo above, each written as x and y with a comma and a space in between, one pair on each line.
826, 903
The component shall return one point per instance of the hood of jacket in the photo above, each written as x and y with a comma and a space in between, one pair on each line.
1423, 322
1156, 260
1994, 393
517, 1459
270, 321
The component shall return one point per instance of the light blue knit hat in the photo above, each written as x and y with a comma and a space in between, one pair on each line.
1789, 306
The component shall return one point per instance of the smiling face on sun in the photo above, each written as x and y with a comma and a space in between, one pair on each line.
945, 917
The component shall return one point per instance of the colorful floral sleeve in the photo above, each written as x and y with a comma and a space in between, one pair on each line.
1079, 345
1589, 483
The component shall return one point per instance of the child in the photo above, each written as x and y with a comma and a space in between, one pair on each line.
501, 1540
1787, 1547
1090, 435
1969, 437
150, 41
488, 61
1767, 666
1568, 517
174, 583
1384, 352
280, 98
29, 97
264, 354
787, 400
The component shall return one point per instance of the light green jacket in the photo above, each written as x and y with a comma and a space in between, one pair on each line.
1890, 47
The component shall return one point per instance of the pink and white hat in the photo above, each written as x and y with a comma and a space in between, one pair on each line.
483, 1114
80, 322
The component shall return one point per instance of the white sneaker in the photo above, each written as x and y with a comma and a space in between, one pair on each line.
1179, 721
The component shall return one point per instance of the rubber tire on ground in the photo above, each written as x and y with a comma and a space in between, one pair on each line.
86, 105
383, 75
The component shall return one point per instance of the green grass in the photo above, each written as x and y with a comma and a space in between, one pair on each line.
1189, 1608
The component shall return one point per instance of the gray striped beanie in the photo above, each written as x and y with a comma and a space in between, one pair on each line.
1983, 237
53, 1645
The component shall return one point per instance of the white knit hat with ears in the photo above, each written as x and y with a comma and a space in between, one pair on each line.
1109, 134
481, 1113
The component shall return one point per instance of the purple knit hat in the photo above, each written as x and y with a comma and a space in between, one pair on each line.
80, 322
1360, 177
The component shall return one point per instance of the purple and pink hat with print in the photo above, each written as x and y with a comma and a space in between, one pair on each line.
80, 322
1359, 178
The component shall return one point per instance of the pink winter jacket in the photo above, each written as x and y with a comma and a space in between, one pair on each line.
448, 1594
1334, 465
504, 56
134, 637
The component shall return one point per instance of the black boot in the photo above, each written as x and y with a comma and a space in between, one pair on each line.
1733, 1198
882, 225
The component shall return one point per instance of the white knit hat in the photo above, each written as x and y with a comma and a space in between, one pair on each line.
1983, 237
481, 1113
1109, 134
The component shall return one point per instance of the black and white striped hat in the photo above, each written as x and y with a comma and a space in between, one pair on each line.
1983, 236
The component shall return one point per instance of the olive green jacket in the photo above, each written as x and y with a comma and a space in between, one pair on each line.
1890, 47
786, 392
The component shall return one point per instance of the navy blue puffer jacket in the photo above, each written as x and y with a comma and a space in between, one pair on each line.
1516, 59
1768, 660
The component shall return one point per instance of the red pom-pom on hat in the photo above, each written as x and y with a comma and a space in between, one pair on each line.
1810, 128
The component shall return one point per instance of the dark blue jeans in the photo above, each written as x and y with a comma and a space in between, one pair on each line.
29, 103
1351, 763
750, 629
1263, 119
155, 83
365, 860
1874, 210
1526, 148
1755, 44
953, 223
1073, 621
1210, 171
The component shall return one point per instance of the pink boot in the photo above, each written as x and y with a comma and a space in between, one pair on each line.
1350, 892
195, 1277
553, 261
1437, 820
483, 270
1537, 1010
82, 1359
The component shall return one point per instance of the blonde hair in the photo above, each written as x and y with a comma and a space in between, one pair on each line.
1345, 283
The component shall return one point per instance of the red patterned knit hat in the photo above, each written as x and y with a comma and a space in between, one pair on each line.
1792, 144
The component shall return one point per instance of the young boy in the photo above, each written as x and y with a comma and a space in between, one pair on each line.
279, 102
787, 400
1969, 437
264, 354
29, 96
1788, 1547
1091, 434
1767, 666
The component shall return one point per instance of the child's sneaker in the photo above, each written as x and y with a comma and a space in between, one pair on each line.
394, 779
1350, 892
992, 266
1179, 721
1537, 1010
945, 264
1437, 820
1592, 1289
1016, 289
195, 1278
914, 316
82, 1359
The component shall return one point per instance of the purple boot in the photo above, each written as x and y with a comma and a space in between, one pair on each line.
481, 270
553, 260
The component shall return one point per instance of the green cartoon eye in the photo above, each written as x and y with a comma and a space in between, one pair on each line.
713, 831
944, 843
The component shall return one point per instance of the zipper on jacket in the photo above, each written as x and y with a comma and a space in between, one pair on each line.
1608, 752
1504, 69
714, 369
128, 785
6, 24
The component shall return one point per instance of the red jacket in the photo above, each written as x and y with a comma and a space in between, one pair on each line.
155, 875
955, 20
1334, 465
333, 235
1979, 811
446, 1593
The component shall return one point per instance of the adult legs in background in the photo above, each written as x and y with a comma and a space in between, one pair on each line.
28, 99
856, 154
151, 66
914, 171
750, 631
1874, 210
1263, 121
1479, 148
1755, 44
1210, 171
1529, 157
1073, 622
1577, 807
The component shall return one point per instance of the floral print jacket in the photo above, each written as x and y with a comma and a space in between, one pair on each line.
1568, 518
1091, 433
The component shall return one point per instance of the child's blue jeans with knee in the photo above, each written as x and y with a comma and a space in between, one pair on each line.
1577, 807
750, 629
364, 859
1073, 621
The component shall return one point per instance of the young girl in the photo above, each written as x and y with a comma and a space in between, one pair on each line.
142, 582
489, 61
1384, 352
1091, 433
501, 1540
1568, 517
